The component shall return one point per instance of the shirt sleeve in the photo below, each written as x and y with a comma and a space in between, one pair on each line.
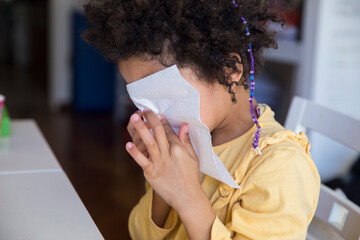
141, 225
278, 199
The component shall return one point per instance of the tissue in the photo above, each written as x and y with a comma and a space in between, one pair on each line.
168, 93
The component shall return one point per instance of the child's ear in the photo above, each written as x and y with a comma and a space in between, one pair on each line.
233, 75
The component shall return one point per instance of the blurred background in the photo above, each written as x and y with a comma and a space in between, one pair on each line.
49, 74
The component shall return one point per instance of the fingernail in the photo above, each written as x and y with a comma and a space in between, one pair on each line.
128, 145
159, 117
146, 109
135, 117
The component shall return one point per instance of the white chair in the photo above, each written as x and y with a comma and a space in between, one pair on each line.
336, 217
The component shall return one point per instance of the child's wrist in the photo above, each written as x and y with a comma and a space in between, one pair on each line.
192, 203
197, 211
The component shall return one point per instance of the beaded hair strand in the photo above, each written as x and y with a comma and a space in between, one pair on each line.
255, 144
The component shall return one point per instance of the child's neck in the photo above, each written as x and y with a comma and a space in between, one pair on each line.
237, 122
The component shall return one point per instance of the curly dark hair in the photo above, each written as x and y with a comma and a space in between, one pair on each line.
201, 34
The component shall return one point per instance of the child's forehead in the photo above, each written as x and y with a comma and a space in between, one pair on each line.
134, 68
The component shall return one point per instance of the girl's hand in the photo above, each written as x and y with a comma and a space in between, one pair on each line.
173, 167
135, 136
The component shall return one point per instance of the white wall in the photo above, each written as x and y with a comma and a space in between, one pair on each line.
336, 78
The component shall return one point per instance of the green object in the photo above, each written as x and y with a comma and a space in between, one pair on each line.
5, 123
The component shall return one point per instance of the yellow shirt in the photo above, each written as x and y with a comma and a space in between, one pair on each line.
278, 195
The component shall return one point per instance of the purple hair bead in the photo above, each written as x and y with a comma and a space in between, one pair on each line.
252, 88
235, 5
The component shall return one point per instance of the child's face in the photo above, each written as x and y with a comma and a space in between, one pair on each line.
214, 99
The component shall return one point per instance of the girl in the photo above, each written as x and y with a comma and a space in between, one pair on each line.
217, 46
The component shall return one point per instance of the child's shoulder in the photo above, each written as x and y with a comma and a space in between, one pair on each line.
282, 147
274, 136
283, 152
285, 159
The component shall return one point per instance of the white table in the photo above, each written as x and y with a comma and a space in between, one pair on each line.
37, 200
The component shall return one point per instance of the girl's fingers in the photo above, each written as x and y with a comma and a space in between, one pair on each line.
141, 114
143, 161
131, 128
185, 139
158, 129
183, 133
146, 136
170, 133
136, 138
146, 154
147, 125
140, 144
142, 149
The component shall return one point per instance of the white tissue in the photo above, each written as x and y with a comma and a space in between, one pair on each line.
168, 93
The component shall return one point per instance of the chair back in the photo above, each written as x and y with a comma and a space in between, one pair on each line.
304, 114
336, 217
